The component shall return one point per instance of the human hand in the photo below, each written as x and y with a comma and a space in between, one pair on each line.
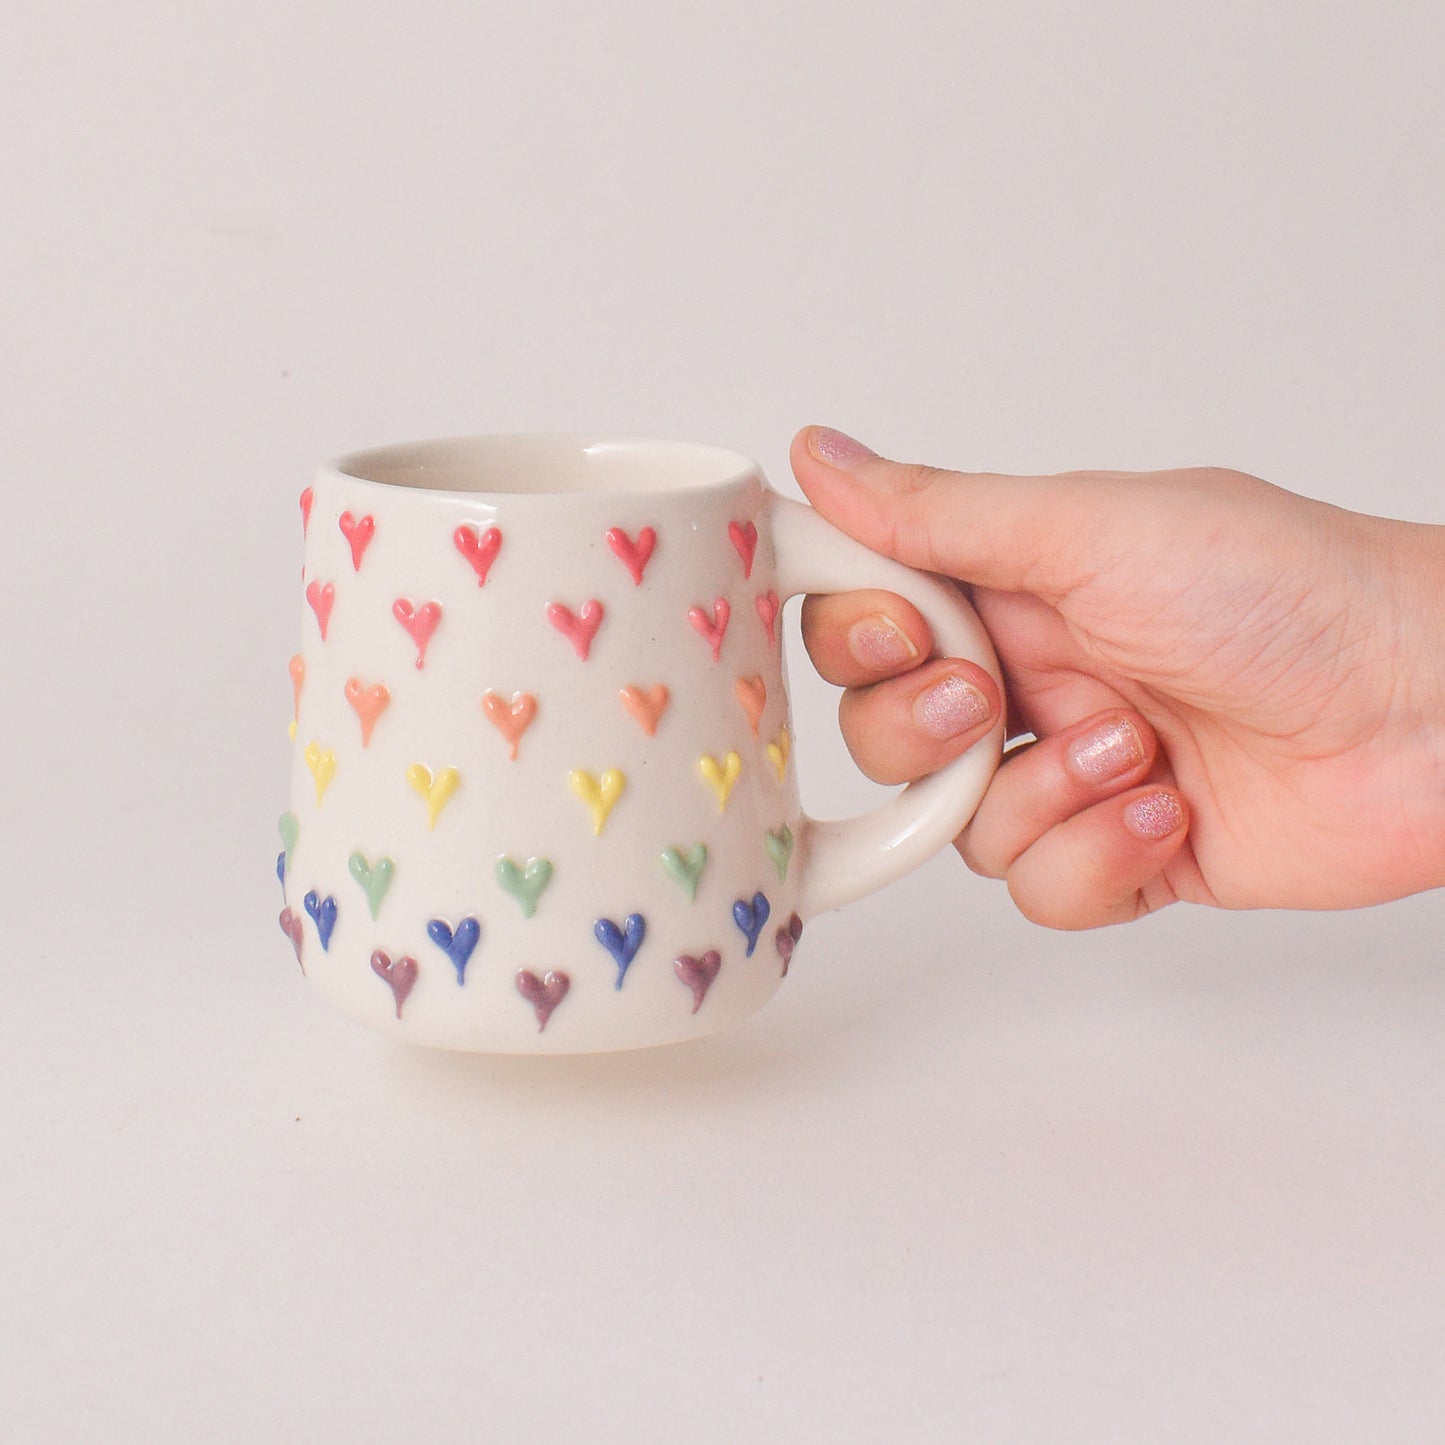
1237, 693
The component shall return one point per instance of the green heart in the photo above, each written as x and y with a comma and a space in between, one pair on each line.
375, 878
780, 850
525, 885
290, 826
685, 871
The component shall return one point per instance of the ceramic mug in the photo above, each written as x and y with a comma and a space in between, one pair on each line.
543, 791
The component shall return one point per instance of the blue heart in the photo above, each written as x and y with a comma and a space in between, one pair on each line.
457, 946
750, 917
281, 868
622, 943
323, 915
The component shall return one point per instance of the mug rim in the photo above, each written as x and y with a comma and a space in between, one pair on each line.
434, 466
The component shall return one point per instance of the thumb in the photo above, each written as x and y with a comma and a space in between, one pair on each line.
1034, 534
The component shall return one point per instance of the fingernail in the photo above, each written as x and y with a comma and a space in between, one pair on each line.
1107, 751
880, 644
951, 707
837, 449
1154, 816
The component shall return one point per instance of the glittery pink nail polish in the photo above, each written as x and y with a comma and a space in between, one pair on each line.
836, 448
1153, 816
880, 644
950, 707
1107, 751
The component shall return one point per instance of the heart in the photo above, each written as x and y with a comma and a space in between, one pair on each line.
420, 623
281, 870
786, 939
510, 718
646, 707
598, 794
368, 703
712, 626
750, 918
323, 915
744, 537
307, 497
433, 790
544, 994
780, 850
778, 751
720, 776
698, 973
298, 677
752, 693
289, 826
322, 597
400, 975
480, 549
291, 927
622, 943
358, 532
527, 884
685, 869
456, 943
578, 628
322, 762
375, 878
767, 605
632, 555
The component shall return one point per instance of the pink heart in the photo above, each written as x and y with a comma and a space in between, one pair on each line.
744, 537
400, 976
420, 623
786, 940
291, 927
711, 628
578, 628
698, 973
321, 597
358, 532
307, 497
633, 555
480, 550
767, 606
544, 994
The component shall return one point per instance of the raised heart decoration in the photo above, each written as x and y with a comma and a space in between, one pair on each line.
720, 776
291, 926
712, 626
786, 939
511, 717
780, 849
297, 669
479, 548
433, 791
368, 703
646, 706
358, 532
598, 794
375, 879
685, 869
622, 943
322, 763
580, 627
307, 497
750, 918
398, 974
632, 554
322, 597
752, 693
767, 606
544, 994
420, 623
744, 537
698, 974
778, 752
457, 943
525, 884
323, 915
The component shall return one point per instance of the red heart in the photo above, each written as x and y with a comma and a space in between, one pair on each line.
291, 927
633, 555
400, 976
544, 994
420, 623
321, 596
511, 719
698, 973
358, 532
307, 497
767, 606
479, 550
711, 628
578, 628
786, 940
744, 537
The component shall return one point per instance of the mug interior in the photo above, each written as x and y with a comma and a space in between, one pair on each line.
548, 464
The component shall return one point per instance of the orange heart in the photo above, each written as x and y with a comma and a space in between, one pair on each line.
647, 707
511, 719
753, 694
369, 703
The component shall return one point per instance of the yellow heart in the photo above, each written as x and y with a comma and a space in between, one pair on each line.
778, 751
434, 791
291, 730
598, 794
322, 762
720, 777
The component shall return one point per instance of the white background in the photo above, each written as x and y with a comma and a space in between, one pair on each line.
965, 1179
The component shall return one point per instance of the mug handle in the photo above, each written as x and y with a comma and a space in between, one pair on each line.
845, 858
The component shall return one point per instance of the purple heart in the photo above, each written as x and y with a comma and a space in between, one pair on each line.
750, 918
786, 940
458, 944
323, 915
698, 973
399, 975
544, 994
291, 927
622, 943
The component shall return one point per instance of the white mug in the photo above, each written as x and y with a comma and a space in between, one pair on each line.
543, 795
